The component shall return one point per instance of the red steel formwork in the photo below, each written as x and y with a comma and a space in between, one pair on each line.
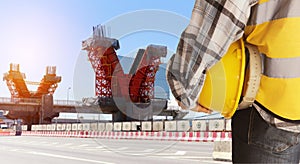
17, 86
104, 60
110, 78
142, 82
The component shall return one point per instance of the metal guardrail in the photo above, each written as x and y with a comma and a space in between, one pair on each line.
19, 100
38, 101
67, 102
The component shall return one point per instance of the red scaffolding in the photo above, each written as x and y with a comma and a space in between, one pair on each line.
110, 77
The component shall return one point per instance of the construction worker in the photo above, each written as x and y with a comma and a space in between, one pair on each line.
269, 130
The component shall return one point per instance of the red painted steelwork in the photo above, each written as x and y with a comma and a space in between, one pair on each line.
16, 84
110, 78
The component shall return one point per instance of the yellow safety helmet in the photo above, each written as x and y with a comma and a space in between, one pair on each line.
224, 81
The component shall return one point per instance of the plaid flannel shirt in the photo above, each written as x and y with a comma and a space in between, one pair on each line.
214, 25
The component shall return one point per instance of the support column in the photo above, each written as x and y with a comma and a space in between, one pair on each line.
47, 109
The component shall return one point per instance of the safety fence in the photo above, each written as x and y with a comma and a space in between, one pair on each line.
140, 135
218, 125
173, 130
7, 133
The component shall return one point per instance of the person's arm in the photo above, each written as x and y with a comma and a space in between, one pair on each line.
214, 25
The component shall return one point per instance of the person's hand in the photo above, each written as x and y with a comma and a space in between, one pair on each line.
200, 108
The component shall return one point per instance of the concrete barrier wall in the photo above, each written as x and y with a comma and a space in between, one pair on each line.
183, 126
199, 125
80, 127
170, 126
94, 127
43, 127
53, 127
58, 127
86, 126
228, 125
109, 127
64, 127
143, 135
150, 126
34, 127
101, 127
68, 127
216, 125
126, 126
24, 127
39, 128
158, 126
74, 127
117, 126
49, 127
147, 126
134, 125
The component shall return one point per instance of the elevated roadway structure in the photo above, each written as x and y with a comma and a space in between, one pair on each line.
20, 94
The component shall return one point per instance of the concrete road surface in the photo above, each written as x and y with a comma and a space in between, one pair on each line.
47, 150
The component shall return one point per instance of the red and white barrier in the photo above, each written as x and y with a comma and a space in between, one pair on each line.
166, 136
7, 133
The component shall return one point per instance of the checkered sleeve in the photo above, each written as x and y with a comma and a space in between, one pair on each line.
214, 25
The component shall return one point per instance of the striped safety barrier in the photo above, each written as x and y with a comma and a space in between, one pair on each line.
139, 135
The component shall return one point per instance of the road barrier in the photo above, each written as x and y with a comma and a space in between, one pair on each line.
101, 127
216, 125
86, 127
222, 150
126, 126
94, 126
147, 126
74, 127
228, 125
7, 133
158, 126
199, 125
170, 126
108, 127
69, 127
134, 125
142, 135
179, 130
117, 126
183, 126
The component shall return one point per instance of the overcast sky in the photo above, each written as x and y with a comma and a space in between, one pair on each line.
38, 33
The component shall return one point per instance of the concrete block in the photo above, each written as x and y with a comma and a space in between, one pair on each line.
228, 125
74, 127
86, 126
158, 126
94, 126
170, 126
134, 125
216, 125
199, 125
183, 125
146, 126
101, 127
69, 127
49, 127
109, 127
126, 126
222, 150
117, 126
